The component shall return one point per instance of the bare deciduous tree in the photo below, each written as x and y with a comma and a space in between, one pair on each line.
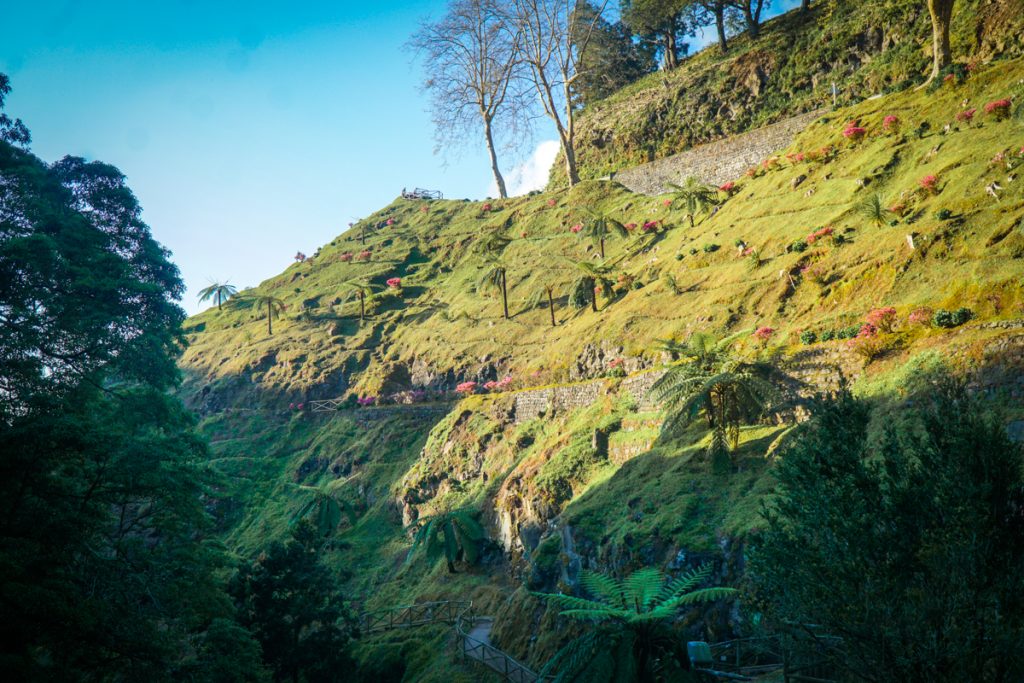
553, 38
470, 57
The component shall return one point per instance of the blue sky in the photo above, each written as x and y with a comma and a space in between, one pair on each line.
248, 130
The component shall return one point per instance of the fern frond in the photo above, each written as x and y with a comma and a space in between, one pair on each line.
602, 586
686, 581
571, 602
642, 586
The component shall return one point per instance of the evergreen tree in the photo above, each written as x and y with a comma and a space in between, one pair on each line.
611, 59
661, 23
901, 530
105, 573
290, 602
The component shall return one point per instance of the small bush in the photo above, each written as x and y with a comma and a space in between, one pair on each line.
943, 214
798, 246
921, 316
808, 337
948, 319
827, 335
710, 248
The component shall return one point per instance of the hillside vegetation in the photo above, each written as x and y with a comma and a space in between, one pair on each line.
865, 48
443, 326
629, 496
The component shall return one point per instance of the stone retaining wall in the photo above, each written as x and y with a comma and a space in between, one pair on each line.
716, 162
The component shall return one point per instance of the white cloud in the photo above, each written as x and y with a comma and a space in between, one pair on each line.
532, 174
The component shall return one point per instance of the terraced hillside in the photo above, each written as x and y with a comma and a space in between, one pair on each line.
864, 48
592, 483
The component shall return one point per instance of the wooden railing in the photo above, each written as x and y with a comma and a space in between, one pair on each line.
460, 614
445, 611
507, 667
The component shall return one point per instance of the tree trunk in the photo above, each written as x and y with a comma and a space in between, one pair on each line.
691, 220
451, 566
805, 5
570, 162
551, 308
671, 54
723, 42
593, 297
753, 27
941, 12
488, 134
270, 318
602, 248
504, 292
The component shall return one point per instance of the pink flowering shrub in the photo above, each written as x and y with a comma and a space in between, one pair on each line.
552, 202
770, 164
966, 115
728, 188
617, 363
854, 132
891, 123
366, 400
466, 388
500, 385
667, 202
882, 318
929, 184
867, 344
390, 221
899, 208
576, 228
1000, 109
763, 334
752, 172
818, 234
346, 257
300, 257
650, 226
921, 316
365, 255
486, 207
394, 282
631, 226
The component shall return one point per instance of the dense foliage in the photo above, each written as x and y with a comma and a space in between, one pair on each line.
105, 570
901, 530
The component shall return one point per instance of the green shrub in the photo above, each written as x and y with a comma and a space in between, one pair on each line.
948, 319
798, 246
710, 248
827, 335
808, 337
943, 214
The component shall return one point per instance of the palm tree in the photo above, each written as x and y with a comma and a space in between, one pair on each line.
219, 292
495, 273
590, 278
729, 391
325, 505
630, 635
361, 290
454, 534
258, 301
545, 291
694, 195
600, 227
874, 209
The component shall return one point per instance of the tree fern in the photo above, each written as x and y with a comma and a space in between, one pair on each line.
455, 534
629, 636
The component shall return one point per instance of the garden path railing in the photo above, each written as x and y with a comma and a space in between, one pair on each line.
471, 632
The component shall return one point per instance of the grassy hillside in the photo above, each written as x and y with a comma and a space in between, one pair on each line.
866, 48
442, 327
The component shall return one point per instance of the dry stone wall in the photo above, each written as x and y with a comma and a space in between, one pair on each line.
716, 162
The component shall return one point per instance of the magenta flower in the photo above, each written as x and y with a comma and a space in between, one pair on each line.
966, 115
763, 334
576, 228
466, 388
394, 282
930, 183
347, 256
1000, 109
